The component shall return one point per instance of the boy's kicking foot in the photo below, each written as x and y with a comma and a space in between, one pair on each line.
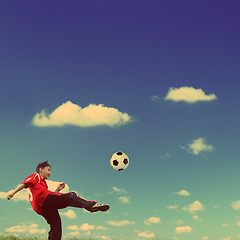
99, 207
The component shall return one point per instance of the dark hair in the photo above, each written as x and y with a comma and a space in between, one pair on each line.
42, 165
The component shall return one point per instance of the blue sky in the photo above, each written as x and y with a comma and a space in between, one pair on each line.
157, 80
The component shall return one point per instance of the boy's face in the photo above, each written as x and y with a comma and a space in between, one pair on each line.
45, 172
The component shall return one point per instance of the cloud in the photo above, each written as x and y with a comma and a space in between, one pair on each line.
225, 225
155, 98
146, 234
104, 237
172, 206
120, 223
188, 94
74, 234
236, 205
119, 190
194, 207
28, 228
124, 199
87, 227
71, 114
152, 220
197, 218
166, 155
184, 229
179, 222
183, 193
73, 228
69, 214
197, 146
52, 185
101, 228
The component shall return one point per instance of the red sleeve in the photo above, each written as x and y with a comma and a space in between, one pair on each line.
31, 180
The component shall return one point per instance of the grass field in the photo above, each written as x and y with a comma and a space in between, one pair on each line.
12, 237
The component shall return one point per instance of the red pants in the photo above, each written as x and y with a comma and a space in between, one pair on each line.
50, 211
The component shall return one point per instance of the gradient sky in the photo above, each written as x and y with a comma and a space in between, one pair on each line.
157, 80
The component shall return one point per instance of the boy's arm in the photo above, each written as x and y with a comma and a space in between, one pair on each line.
19, 188
60, 187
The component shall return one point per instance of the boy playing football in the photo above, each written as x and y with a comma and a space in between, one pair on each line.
46, 203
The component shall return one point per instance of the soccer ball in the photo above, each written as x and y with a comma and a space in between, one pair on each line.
119, 161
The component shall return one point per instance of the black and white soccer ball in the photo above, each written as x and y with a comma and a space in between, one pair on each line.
119, 161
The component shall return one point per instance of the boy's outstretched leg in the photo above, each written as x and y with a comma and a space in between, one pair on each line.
72, 200
54, 220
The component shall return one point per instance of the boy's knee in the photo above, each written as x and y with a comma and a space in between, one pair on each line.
73, 193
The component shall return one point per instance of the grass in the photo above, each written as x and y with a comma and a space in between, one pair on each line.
12, 237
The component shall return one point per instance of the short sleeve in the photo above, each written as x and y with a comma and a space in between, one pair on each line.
31, 180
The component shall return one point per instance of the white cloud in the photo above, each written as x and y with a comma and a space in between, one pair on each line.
74, 234
194, 207
104, 237
71, 114
101, 228
172, 207
179, 222
69, 214
236, 205
183, 193
73, 228
197, 146
166, 155
155, 98
87, 227
188, 94
120, 223
225, 225
124, 199
146, 234
184, 229
152, 220
28, 228
119, 190
197, 218
52, 185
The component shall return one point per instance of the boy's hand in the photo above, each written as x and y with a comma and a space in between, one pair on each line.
10, 195
60, 187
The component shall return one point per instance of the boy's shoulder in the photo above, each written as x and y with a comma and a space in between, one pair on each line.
32, 177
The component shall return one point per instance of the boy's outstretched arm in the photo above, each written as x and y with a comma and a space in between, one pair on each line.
19, 188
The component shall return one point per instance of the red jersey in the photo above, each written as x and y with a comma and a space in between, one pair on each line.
38, 191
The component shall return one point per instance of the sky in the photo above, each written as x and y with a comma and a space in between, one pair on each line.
157, 80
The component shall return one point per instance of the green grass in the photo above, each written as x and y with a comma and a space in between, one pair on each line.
12, 237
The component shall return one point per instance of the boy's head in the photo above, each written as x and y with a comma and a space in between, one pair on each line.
44, 169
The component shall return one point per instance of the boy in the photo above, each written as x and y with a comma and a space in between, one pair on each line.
46, 203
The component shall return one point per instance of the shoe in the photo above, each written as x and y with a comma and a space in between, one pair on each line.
99, 207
